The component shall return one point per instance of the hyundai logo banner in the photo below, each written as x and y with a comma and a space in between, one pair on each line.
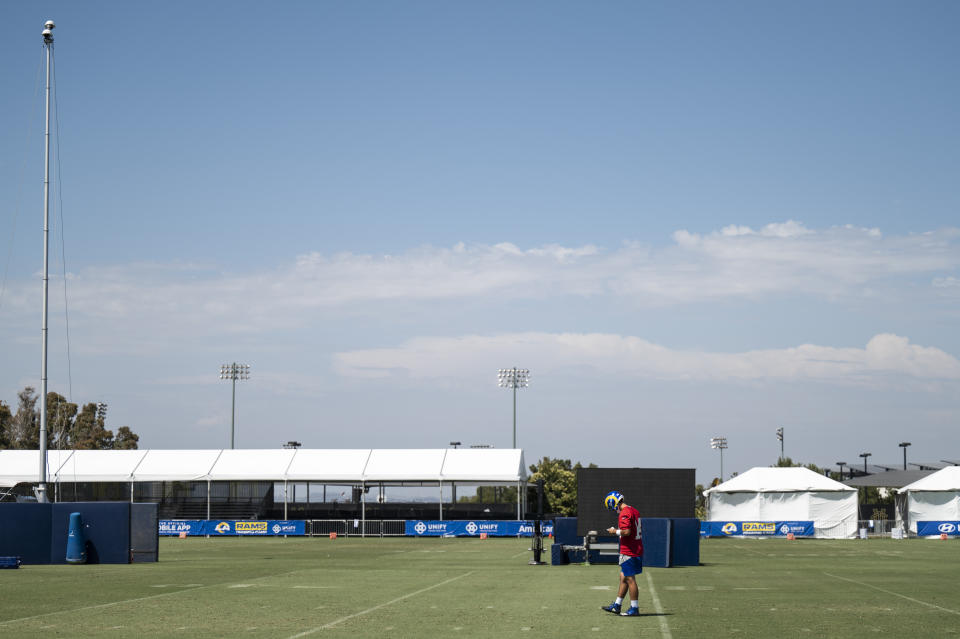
223, 527
459, 528
937, 528
756, 528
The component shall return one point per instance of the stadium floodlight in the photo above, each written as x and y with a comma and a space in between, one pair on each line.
841, 465
780, 437
904, 445
233, 372
455, 444
513, 378
292, 444
865, 455
719, 443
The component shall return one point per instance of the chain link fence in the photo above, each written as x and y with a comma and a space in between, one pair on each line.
356, 527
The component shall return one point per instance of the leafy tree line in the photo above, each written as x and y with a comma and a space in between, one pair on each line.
68, 425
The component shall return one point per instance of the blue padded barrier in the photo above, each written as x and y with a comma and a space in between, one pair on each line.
76, 540
565, 531
557, 555
25, 532
656, 541
685, 542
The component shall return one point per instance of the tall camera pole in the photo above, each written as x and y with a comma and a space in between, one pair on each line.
42, 487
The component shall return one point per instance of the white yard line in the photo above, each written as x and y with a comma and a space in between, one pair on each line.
664, 628
896, 594
762, 554
377, 607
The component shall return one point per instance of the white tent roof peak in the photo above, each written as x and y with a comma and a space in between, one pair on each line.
762, 479
435, 465
944, 479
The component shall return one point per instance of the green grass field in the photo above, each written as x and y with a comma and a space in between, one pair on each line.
300, 587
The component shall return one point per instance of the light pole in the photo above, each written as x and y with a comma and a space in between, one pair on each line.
841, 465
904, 445
865, 455
455, 444
514, 378
234, 372
719, 443
780, 437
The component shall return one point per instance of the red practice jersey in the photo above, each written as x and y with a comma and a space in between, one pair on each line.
631, 544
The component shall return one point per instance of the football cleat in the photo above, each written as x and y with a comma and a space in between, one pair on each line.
614, 608
632, 612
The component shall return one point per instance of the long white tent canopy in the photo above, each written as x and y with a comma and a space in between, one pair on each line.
333, 466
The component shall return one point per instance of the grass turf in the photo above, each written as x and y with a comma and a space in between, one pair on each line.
249, 587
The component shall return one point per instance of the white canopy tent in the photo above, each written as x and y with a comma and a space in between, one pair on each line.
936, 497
361, 467
786, 494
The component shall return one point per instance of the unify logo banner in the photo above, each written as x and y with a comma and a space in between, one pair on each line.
497, 528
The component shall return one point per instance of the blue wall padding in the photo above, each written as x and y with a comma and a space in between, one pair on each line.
685, 542
76, 540
25, 532
565, 531
666, 543
576, 556
144, 533
656, 541
107, 530
557, 555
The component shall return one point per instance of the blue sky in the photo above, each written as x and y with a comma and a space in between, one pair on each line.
687, 219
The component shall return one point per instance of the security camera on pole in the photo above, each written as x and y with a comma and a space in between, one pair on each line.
780, 437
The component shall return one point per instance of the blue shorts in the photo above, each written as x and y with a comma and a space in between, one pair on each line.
631, 566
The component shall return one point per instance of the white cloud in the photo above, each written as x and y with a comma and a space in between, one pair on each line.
884, 356
736, 262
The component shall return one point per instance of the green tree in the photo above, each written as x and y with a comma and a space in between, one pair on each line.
67, 427
6, 419
89, 431
24, 430
700, 503
559, 484
126, 439
60, 419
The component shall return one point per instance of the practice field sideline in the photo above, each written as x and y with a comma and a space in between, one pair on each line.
402, 587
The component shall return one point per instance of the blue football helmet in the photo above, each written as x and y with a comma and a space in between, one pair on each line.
613, 500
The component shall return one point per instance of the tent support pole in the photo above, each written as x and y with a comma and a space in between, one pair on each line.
284, 499
363, 509
441, 500
518, 500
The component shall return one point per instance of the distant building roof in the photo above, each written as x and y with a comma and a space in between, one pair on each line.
889, 479
929, 465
